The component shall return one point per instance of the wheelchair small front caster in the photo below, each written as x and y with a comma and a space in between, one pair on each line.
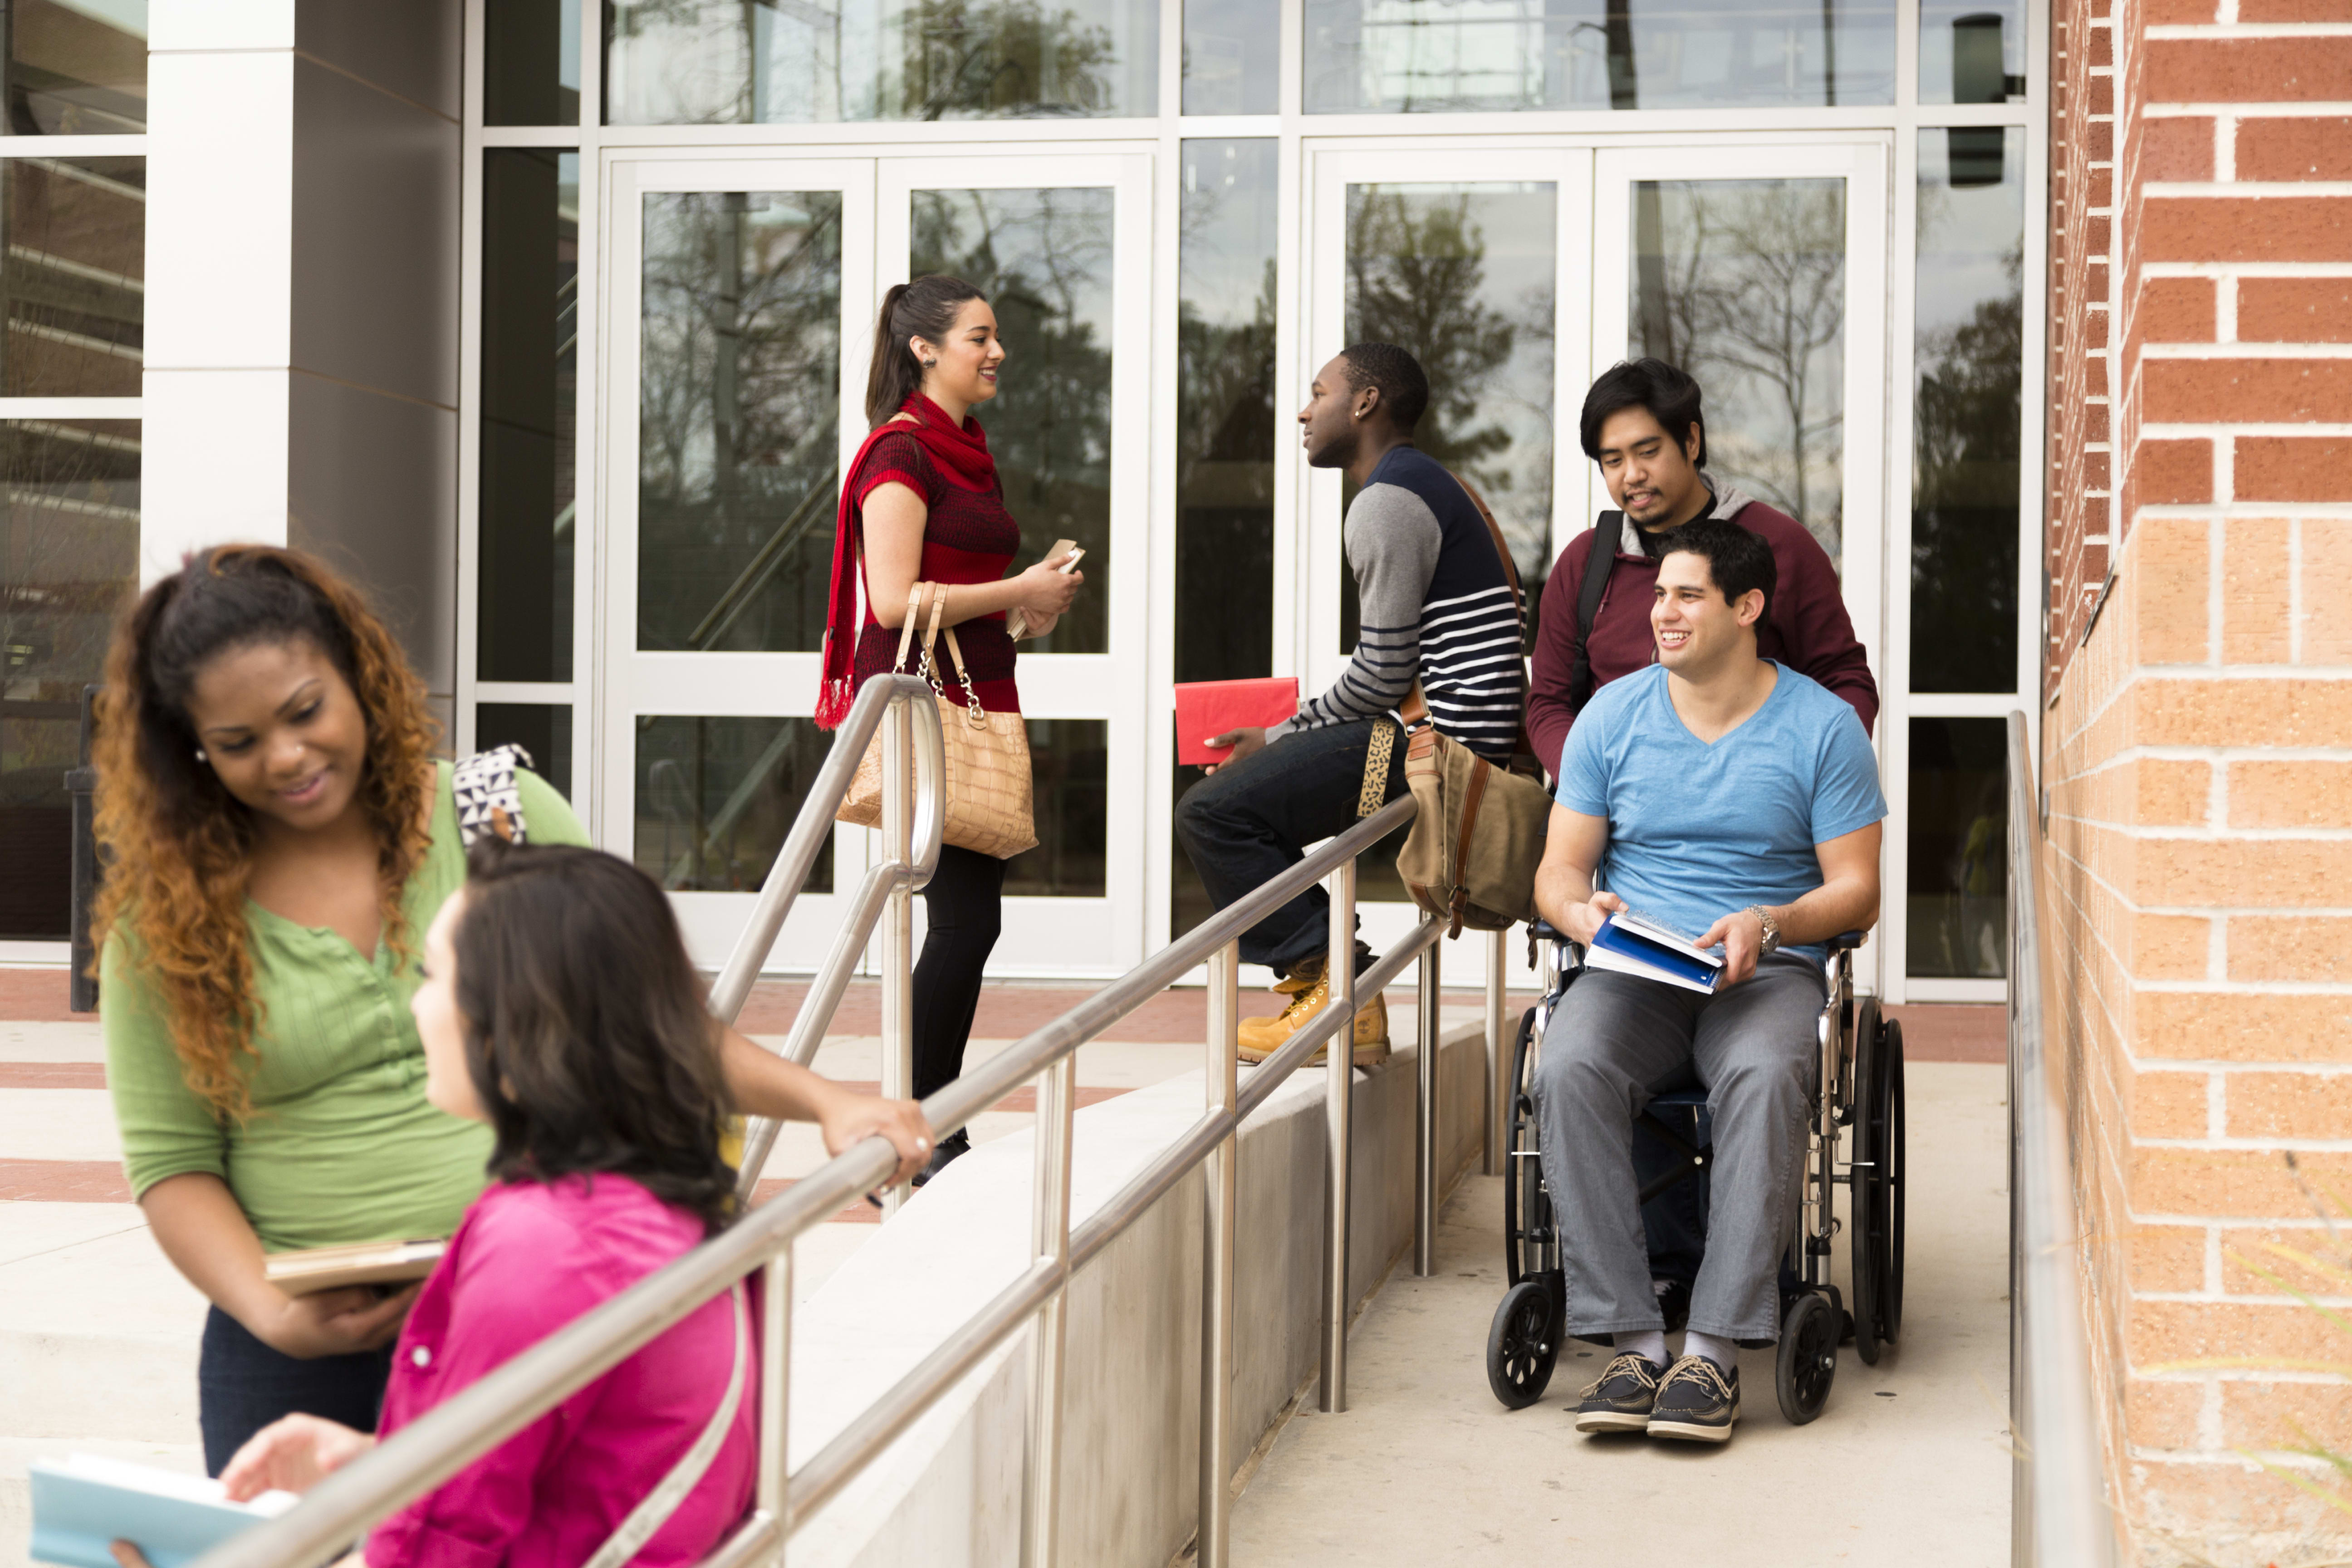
1808, 1358
1524, 1344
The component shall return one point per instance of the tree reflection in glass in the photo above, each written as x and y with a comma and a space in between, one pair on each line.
1970, 357
739, 419
1042, 256
1465, 278
724, 62
1742, 283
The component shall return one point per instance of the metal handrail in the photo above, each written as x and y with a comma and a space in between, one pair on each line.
451, 1436
2059, 1502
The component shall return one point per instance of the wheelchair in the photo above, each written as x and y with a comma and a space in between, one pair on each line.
1859, 1094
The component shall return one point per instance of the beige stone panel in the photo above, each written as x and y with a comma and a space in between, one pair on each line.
2256, 588
2289, 947
2163, 1333
2167, 1104
2247, 1255
2272, 1415
2171, 947
2180, 1506
2290, 794
2274, 873
2163, 1415
2243, 1026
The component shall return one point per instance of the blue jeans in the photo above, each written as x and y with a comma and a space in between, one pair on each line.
243, 1386
1250, 821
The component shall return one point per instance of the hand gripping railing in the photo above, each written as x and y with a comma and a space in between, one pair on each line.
2058, 1511
445, 1440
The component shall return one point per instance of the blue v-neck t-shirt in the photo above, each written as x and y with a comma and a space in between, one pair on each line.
1697, 831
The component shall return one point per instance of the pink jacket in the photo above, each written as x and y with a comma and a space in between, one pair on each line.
529, 1258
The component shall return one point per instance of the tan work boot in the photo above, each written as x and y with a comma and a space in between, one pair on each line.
1308, 986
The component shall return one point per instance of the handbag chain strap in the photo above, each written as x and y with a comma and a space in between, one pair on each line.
974, 714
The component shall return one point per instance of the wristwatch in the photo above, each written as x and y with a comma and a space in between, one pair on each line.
1771, 928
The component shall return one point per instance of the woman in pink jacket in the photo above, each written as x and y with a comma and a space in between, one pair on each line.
559, 1006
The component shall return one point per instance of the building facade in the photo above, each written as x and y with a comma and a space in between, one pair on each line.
551, 319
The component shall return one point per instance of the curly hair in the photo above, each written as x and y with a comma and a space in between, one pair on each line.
178, 847
587, 1037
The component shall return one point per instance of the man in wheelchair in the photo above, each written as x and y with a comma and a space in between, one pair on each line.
1724, 795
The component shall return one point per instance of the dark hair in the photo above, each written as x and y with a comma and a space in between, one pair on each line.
180, 846
1738, 560
586, 1035
925, 307
1670, 396
1403, 386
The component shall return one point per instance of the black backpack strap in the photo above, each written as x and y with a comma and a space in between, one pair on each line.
488, 800
1607, 534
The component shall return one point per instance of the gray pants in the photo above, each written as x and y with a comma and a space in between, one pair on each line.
1614, 1042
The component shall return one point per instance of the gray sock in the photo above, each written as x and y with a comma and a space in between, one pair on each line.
1723, 1352
1650, 1346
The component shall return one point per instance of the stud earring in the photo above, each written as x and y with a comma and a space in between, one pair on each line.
200, 754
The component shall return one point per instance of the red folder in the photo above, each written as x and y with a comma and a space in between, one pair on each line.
1206, 708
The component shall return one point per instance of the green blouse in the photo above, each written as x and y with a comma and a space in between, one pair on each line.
341, 1146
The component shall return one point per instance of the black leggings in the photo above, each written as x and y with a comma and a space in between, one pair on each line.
965, 902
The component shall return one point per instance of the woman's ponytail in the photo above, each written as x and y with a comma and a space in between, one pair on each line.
925, 307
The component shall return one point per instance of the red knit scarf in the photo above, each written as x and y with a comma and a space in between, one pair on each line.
962, 454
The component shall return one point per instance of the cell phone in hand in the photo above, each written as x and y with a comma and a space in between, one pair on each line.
1016, 625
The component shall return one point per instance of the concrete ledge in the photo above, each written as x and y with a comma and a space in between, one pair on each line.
949, 1492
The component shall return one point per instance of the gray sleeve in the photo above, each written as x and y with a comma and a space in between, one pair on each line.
1393, 543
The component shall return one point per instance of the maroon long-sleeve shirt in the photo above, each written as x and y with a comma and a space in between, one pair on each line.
1807, 628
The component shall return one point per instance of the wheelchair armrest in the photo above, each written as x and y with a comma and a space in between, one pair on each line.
1846, 941
1544, 931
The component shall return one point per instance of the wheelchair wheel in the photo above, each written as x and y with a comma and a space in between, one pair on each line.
1807, 1362
1524, 1344
1877, 1182
1527, 1212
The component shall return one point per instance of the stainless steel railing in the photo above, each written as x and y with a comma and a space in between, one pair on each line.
445, 1440
2060, 1512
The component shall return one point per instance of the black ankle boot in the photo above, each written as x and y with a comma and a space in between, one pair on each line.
949, 1149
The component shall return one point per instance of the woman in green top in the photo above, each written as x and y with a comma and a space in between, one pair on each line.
280, 837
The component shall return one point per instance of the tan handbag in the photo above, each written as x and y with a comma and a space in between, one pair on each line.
989, 780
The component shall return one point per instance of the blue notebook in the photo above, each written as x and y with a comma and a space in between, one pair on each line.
1632, 944
81, 1504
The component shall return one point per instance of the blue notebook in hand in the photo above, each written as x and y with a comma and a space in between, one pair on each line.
1632, 944
82, 1504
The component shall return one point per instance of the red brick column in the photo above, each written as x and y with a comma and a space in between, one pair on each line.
2197, 741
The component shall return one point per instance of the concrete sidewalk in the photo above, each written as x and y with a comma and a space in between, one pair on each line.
1907, 1463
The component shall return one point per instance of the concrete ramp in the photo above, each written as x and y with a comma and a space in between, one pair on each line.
1909, 1462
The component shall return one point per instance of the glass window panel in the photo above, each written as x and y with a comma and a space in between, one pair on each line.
717, 796
739, 419
76, 67
1958, 925
1970, 361
1225, 430
1465, 278
531, 335
531, 62
541, 729
1044, 259
1233, 52
1742, 283
724, 62
1436, 56
74, 272
1070, 759
69, 562
1971, 51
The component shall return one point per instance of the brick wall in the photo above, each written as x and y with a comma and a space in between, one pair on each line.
2197, 741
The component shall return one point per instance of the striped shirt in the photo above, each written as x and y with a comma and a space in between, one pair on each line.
1436, 603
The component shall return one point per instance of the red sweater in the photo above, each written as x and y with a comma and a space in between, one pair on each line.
1807, 628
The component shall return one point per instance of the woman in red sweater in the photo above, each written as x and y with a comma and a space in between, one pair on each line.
923, 504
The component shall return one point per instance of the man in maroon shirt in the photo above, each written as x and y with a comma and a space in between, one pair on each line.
1641, 426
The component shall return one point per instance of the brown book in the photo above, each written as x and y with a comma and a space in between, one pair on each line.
314, 1269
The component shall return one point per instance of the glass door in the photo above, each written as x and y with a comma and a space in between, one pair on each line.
1061, 246
1762, 271
740, 321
